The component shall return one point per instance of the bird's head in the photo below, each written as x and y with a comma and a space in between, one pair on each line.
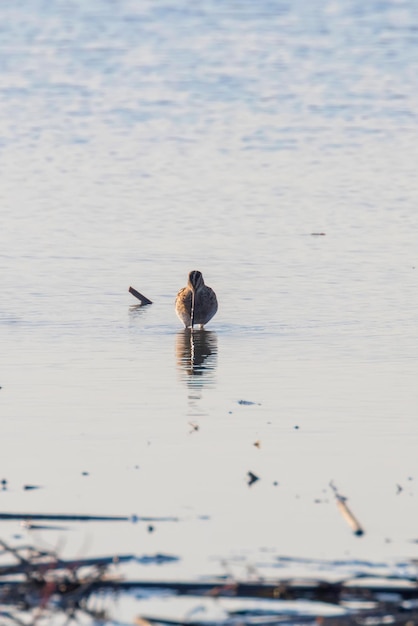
196, 280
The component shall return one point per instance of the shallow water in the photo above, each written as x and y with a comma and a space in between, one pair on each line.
272, 146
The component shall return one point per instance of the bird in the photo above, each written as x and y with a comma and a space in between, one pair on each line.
196, 303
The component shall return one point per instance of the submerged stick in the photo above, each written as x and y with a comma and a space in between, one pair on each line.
140, 297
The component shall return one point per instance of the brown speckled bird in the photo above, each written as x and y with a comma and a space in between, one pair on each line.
196, 303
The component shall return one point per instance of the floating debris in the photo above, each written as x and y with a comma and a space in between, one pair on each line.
324, 593
318, 234
42, 585
346, 513
4, 484
289, 589
257, 444
156, 559
29, 526
31, 560
140, 297
195, 427
83, 518
252, 478
31, 487
248, 403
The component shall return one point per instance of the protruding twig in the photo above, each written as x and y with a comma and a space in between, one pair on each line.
140, 297
346, 513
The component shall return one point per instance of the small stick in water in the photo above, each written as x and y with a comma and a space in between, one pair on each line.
346, 513
140, 297
252, 478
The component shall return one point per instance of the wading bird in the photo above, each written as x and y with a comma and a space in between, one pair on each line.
196, 303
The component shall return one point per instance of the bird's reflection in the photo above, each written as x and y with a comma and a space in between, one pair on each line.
196, 352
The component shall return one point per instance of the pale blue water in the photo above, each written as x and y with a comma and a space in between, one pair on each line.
140, 140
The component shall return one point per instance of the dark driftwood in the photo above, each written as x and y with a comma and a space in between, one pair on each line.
29, 517
64, 517
71, 582
377, 618
140, 297
42, 566
31, 560
313, 590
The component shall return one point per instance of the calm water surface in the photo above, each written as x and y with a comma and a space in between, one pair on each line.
140, 140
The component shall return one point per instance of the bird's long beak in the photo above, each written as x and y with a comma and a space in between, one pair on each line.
192, 311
